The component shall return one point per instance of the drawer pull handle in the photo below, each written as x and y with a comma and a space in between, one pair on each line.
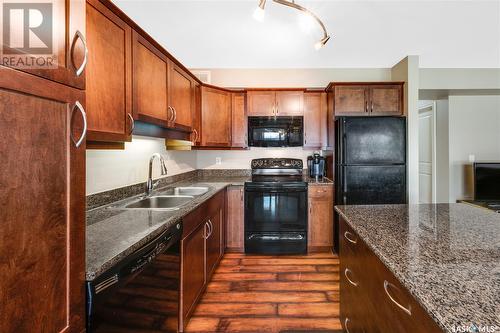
406, 310
347, 270
352, 240
345, 325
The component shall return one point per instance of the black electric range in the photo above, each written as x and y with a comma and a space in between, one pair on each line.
276, 207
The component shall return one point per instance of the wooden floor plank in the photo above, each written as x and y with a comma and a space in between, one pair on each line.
329, 276
277, 324
235, 309
255, 293
309, 310
293, 286
245, 276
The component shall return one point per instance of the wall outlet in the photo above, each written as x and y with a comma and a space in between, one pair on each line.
218, 160
472, 158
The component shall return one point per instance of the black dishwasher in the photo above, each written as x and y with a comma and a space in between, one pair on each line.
140, 293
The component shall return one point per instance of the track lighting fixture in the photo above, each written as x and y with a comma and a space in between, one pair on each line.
260, 12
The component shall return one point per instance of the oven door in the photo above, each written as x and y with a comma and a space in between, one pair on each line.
275, 208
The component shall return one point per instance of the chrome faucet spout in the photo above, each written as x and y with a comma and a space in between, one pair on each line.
163, 169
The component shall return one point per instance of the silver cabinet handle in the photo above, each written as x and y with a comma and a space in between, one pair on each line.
345, 325
277, 109
354, 241
366, 106
132, 123
170, 114
211, 227
84, 131
372, 107
175, 114
406, 310
206, 231
347, 270
195, 132
79, 70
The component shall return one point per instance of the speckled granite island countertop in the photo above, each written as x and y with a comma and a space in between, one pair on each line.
446, 255
114, 233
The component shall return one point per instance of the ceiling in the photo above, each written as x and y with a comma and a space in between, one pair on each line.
365, 34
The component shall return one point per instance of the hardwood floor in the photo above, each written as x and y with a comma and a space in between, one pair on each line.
251, 293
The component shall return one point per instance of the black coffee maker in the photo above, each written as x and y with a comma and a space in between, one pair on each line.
316, 166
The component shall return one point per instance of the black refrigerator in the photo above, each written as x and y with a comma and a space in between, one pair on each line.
370, 162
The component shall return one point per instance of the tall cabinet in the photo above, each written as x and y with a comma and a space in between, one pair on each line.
42, 215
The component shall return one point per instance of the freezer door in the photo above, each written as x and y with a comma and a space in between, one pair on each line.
371, 185
373, 140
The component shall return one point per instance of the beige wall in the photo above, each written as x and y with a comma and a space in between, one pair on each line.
474, 129
408, 70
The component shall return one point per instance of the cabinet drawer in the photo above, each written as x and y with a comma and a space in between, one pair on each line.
320, 191
349, 239
210, 207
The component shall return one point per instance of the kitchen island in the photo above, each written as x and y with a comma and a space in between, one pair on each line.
444, 259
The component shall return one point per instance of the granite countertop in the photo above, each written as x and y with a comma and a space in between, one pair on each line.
446, 255
114, 233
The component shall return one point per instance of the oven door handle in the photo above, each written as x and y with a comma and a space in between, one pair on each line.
269, 190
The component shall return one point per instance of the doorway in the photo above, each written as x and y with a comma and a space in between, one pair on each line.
427, 152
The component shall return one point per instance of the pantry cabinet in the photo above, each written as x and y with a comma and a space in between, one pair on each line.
42, 177
109, 75
368, 99
201, 250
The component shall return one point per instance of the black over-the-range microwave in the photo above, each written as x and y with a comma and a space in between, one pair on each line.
275, 131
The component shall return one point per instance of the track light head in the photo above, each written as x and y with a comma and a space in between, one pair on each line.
259, 12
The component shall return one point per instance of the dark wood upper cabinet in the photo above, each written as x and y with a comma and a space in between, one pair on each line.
368, 99
42, 215
239, 121
109, 75
235, 223
275, 103
261, 103
386, 100
196, 133
215, 117
315, 120
289, 103
180, 93
68, 45
351, 100
150, 83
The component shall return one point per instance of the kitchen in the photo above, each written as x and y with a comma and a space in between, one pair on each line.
163, 198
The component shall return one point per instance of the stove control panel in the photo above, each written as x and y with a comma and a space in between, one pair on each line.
277, 163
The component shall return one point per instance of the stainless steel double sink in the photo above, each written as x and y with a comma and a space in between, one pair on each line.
171, 199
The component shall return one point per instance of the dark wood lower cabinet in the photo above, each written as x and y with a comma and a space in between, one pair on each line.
371, 298
42, 209
201, 248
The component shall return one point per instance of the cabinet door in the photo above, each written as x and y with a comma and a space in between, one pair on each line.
314, 120
239, 121
320, 226
150, 72
193, 270
196, 133
289, 103
235, 226
214, 242
351, 100
180, 89
61, 54
261, 103
215, 117
386, 100
42, 215
109, 79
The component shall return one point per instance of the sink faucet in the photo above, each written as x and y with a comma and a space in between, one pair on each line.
150, 185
